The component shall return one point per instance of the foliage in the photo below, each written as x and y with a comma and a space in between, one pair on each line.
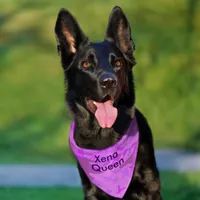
34, 124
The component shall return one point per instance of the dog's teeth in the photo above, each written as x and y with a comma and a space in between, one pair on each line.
94, 102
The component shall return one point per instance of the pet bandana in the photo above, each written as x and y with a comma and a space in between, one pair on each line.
110, 169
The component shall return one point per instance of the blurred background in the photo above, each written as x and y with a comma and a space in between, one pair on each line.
34, 123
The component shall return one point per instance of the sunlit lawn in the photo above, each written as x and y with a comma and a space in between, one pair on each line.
175, 187
34, 123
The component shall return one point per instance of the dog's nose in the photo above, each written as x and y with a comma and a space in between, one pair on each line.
108, 81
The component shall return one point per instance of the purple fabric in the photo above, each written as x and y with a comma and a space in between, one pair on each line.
110, 169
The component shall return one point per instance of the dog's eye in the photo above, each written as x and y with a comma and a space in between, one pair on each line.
118, 63
85, 64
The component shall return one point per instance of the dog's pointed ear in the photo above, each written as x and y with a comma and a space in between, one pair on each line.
69, 36
119, 31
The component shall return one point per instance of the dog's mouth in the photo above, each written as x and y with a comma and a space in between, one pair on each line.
92, 105
104, 111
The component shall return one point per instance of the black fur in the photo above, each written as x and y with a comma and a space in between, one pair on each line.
84, 84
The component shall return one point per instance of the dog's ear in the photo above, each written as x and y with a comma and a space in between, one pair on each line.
119, 32
69, 36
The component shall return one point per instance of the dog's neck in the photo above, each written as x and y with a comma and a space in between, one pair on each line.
88, 134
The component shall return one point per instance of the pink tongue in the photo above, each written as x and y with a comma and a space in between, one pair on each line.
106, 114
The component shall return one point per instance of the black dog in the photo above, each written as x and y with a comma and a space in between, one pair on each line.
100, 74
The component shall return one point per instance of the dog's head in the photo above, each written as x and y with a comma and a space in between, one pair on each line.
98, 75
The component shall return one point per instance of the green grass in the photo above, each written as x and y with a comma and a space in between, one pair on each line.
34, 123
174, 186
41, 194
180, 186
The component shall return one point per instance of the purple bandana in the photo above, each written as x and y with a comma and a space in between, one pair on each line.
110, 169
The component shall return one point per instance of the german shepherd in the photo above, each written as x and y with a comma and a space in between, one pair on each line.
101, 98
